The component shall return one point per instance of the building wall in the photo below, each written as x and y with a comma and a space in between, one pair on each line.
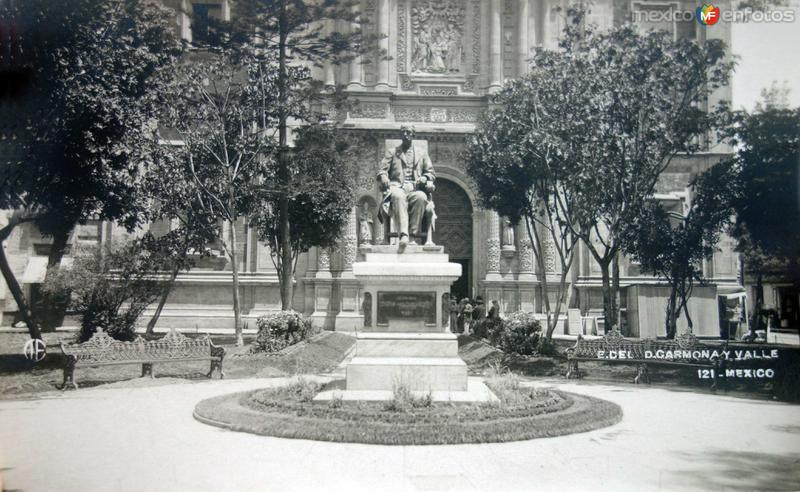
443, 97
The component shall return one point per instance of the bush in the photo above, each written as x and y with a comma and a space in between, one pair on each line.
110, 287
488, 328
520, 334
277, 331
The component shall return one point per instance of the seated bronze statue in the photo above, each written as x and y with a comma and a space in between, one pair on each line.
407, 181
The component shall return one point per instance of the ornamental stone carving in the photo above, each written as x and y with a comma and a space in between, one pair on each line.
549, 255
349, 250
437, 27
493, 254
525, 255
369, 111
401, 36
323, 259
476, 36
438, 91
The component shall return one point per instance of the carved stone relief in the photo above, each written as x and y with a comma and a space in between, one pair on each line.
435, 115
437, 28
476, 36
438, 91
375, 111
401, 37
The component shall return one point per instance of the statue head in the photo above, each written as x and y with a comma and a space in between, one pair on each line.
407, 132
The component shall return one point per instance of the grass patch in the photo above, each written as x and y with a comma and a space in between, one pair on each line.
18, 376
287, 412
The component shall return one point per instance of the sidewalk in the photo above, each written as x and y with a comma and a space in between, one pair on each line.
133, 439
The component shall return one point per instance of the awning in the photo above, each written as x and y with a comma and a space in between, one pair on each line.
36, 269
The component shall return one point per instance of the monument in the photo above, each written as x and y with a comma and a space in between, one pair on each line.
406, 339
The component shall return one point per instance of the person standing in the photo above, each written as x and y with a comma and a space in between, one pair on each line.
494, 311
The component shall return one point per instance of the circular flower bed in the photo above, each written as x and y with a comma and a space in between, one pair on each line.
521, 414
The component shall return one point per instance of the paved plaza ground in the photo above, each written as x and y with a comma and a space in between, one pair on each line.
144, 438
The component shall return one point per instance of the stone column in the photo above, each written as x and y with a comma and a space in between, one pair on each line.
323, 263
323, 289
546, 28
356, 69
526, 259
383, 44
328, 70
350, 244
349, 318
493, 247
496, 45
523, 46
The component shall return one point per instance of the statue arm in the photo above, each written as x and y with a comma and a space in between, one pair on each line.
383, 175
427, 169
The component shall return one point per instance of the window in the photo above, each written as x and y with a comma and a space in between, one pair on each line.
203, 17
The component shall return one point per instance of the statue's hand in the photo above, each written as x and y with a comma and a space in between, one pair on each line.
429, 187
384, 182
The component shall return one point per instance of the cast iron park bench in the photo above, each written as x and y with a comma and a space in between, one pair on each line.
683, 351
102, 350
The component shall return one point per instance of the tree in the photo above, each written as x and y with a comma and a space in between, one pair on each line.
321, 193
620, 106
91, 82
519, 168
673, 245
290, 33
110, 285
224, 157
766, 200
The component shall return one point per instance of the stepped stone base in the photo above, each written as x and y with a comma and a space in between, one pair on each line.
406, 345
417, 373
476, 392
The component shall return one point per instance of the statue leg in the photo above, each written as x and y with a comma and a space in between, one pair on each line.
399, 209
417, 202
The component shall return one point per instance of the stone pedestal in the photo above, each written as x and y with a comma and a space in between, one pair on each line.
407, 341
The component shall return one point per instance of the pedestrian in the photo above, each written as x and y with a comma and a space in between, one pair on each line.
468, 310
494, 311
453, 315
479, 313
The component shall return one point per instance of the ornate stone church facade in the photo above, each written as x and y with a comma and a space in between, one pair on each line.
446, 59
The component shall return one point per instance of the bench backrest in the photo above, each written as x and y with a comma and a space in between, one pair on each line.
102, 348
611, 341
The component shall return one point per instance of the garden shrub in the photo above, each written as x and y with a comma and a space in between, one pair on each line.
277, 331
520, 334
110, 287
488, 328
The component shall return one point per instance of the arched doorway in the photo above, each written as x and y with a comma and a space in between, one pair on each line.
454, 230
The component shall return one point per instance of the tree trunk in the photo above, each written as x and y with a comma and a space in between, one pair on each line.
19, 296
51, 308
615, 290
563, 296
237, 319
686, 313
162, 301
609, 310
283, 171
671, 313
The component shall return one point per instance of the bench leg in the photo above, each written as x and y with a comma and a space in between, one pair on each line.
147, 370
641, 374
572, 370
216, 364
69, 376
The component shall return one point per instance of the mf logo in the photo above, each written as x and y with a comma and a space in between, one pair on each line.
707, 15
35, 350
